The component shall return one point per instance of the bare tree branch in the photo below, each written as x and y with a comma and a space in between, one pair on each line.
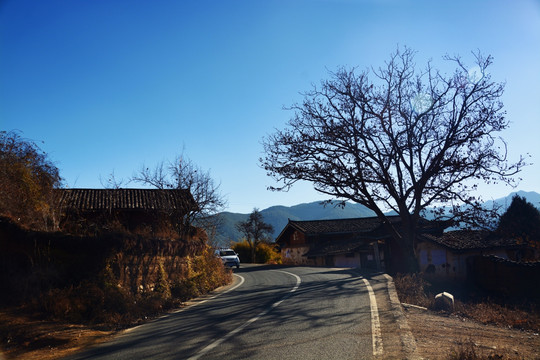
182, 173
404, 141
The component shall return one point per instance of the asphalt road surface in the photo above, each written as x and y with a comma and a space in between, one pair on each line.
268, 313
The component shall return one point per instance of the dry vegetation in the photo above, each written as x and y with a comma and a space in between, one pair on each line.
481, 327
472, 303
265, 253
71, 317
451, 336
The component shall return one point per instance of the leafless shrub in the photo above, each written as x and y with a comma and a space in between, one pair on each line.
412, 289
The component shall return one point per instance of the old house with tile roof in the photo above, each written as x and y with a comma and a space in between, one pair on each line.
82, 210
451, 254
358, 242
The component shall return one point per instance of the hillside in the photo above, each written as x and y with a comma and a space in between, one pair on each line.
278, 216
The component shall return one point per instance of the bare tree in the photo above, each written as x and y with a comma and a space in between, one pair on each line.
255, 230
182, 173
111, 182
403, 142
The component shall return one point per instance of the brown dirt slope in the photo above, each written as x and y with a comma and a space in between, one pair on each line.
438, 335
27, 337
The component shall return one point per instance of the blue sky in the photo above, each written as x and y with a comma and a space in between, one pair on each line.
107, 85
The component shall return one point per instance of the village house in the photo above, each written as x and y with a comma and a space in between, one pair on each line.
450, 255
483, 258
82, 210
358, 242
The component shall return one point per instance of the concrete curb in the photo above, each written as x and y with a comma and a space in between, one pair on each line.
408, 342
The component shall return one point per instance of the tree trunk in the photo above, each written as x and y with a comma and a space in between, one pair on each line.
253, 248
410, 232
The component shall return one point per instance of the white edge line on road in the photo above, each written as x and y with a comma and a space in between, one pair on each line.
250, 321
375, 324
215, 296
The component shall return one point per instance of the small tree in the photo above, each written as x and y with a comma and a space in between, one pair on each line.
398, 139
255, 230
28, 178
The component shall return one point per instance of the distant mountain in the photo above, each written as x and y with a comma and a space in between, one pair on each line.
278, 216
504, 203
500, 204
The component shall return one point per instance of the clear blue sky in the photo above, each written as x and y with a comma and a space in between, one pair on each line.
109, 85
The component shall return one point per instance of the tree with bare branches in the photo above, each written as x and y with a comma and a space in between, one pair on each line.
397, 139
112, 182
255, 231
182, 173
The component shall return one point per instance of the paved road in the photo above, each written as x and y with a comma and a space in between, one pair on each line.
268, 313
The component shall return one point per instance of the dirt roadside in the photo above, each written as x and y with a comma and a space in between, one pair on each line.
438, 334
27, 337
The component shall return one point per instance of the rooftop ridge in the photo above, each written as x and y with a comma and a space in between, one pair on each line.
344, 219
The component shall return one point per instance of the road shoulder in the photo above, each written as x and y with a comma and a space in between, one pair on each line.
438, 334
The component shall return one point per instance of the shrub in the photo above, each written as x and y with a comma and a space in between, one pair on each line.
204, 273
412, 289
265, 253
162, 284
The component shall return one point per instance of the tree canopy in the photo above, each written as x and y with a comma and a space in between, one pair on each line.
395, 138
522, 221
28, 178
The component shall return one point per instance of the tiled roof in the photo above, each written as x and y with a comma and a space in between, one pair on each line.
340, 226
471, 239
334, 247
126, 199
499, 259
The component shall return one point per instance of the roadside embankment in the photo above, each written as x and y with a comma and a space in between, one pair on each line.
103, 282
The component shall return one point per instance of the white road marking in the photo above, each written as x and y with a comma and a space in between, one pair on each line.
215, 296
194, 304
250, 321
375, 324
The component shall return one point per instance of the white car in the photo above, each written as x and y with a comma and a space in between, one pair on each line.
229, 257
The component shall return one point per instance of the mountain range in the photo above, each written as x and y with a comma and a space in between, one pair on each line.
278, 216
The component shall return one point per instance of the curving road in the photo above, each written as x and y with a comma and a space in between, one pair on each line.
270, 313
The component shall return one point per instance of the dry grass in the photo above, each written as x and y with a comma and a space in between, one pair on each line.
97, 308
103, 302
412, 289
513, 313
525, 316
442, 335
469, 350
